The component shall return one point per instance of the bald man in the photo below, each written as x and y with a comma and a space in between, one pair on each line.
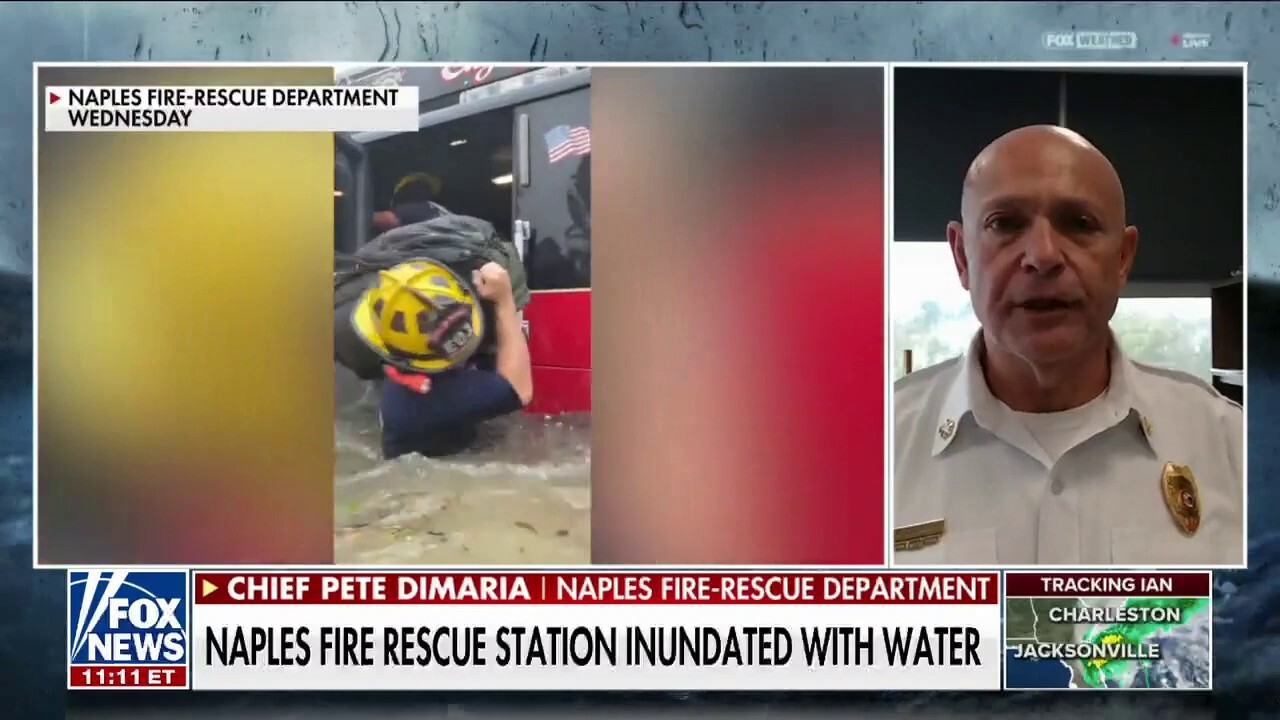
1043, 443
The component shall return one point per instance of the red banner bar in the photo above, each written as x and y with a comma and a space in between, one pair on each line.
1109, 584
595, 588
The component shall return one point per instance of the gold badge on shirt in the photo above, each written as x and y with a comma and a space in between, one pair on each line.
1181, 497
918, 536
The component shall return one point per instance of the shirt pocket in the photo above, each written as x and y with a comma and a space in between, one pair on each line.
1132, 546
969, 547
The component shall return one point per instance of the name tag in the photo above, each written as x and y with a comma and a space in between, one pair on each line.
920, 535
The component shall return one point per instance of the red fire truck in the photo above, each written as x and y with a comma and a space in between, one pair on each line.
510, 145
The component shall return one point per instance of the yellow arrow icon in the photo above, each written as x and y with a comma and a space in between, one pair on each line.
207, 588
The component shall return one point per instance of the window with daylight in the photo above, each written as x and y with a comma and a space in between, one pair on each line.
933, 319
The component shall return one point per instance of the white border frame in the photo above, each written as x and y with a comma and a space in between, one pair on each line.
337, 67
889, 345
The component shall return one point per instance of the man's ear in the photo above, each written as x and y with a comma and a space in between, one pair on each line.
955, 238
1128, 250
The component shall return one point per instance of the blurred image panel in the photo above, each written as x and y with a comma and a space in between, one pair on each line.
739, 315
185, 401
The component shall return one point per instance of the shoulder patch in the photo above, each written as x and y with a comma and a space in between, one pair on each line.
925, 374
1184, 378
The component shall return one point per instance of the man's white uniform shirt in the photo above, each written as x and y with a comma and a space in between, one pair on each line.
1081, 487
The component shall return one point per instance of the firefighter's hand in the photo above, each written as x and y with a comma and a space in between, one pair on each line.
385, 220
492, 283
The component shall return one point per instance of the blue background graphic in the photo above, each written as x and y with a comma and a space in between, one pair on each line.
32, 610
1037, 674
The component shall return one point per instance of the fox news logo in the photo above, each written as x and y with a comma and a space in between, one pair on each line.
127, 618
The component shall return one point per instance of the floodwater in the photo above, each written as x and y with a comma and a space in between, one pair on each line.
520, 496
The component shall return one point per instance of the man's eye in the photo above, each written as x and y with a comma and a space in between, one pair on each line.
1081, 223
1002, 224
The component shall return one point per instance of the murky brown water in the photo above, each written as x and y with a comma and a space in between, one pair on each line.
521, 496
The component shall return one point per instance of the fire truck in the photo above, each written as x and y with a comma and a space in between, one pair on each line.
510, 145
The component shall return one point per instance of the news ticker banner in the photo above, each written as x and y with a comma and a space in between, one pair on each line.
533, 631
359, 630
230, 109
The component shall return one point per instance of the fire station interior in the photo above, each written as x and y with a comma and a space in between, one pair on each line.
472, 158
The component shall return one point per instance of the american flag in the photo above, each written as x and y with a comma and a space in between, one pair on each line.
564, 141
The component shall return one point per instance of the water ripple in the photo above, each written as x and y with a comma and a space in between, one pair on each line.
520, 495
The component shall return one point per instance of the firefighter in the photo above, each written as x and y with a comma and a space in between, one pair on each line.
424, 323
412, 201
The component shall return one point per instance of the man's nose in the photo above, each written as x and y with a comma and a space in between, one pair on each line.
1042, 248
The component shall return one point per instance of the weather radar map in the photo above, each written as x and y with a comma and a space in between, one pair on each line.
1108, 631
